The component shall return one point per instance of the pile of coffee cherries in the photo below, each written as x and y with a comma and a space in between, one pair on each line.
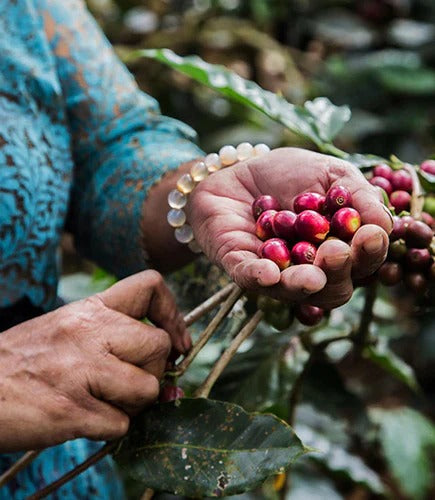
410, 257
292, 237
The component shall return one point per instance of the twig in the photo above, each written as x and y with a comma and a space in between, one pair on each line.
417, 197
208, 305
210, 329
93, 459
17, 466
362, 334
204, 390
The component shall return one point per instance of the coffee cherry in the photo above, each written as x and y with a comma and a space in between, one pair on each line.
308, 315
429, 205
337, 197
428, 219
309, 201
428, 166
400, 224
383, 170
276, 250
311, 226
400, 200
383, 183
268, 304
418, 235
281, 319
283, 224
397, 251
170, 393
263, 203
401, 180
431, 272
263, 226
345, 223
416, 282
390, 273
303, 253
418, 259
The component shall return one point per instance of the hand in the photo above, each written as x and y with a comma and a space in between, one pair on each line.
220, 213
81, 370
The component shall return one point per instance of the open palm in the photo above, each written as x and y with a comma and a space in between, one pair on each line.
221, 217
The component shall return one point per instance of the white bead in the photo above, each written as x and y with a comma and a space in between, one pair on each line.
194, 247
199, 171
176, 199
176, 218
261, 149
184, 234
245, 151
228, 155
185, 184
213, 162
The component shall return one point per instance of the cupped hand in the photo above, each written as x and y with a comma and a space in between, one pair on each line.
82, 370
220, 214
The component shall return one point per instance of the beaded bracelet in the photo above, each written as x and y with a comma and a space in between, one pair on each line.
177, 198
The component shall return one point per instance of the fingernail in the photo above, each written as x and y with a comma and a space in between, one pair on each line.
337, 260
386, 209
374, 244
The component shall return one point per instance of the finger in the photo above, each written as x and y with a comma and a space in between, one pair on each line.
146, 294
253, 273
101, 421
334, 258
300, 281
125, 386
369, 250
136, 343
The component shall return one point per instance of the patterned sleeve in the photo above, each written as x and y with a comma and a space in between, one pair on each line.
121, 143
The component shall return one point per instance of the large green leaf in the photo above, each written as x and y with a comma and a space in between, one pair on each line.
384, 357
318, 120
201, 447
408, 444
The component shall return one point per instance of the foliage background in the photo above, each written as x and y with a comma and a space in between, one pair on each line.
379, 58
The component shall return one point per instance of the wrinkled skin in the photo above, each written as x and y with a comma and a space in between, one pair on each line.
221, 216
84, 369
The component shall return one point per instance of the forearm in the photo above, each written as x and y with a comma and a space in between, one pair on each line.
164, 252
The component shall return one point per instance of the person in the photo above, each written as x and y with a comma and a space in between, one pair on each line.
82, 149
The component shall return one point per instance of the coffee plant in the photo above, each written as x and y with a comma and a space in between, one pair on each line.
263, 403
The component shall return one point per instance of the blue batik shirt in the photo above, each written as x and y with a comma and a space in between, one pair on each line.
80, 146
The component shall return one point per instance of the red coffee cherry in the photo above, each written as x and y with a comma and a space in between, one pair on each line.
283, 224
309, 201
308, 315
418, 235
277, 251
390, 273
400, 200
418, 259
428, 166
383, 183
416, 282
400, 224
303, 253
263, 203
401, 180
263, 226
345, 223
428, 219
311, 226
337, 197
383, 170
170, 393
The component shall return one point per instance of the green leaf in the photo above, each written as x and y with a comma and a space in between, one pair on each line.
364, 162
318, 120
201, 447
408, 443
408, 81
384, 357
